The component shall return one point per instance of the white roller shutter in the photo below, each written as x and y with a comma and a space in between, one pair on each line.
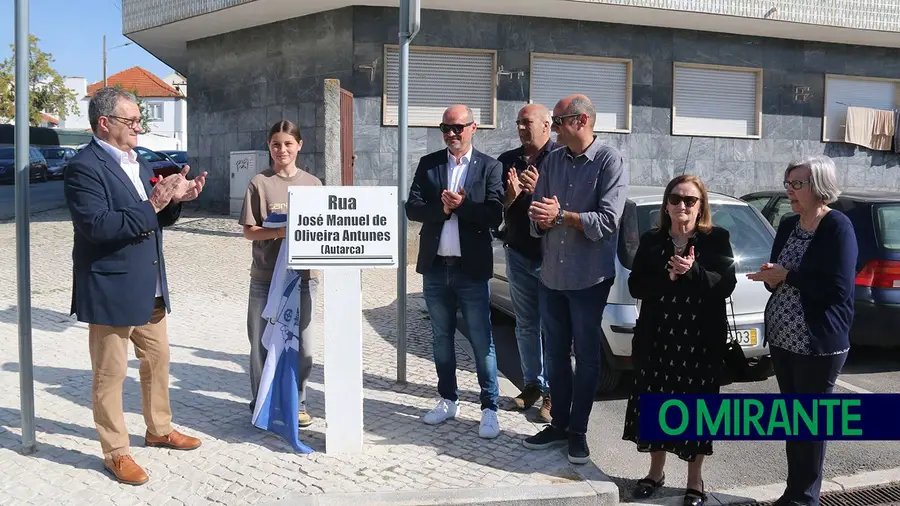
716, 102
842, 92
606, 82
439, 78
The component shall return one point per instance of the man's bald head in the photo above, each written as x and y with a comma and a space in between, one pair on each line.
458, 114
577, 124
533, 125
458, 126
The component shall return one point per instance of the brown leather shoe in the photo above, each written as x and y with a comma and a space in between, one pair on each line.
175, 440
126, 470
544, 413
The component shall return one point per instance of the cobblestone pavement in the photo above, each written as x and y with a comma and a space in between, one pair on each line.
208, 264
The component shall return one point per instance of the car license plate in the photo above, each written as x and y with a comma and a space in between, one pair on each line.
745, 337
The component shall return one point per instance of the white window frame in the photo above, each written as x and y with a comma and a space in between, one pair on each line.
393, 120
842, 117
597, 59
757, 106
150, 109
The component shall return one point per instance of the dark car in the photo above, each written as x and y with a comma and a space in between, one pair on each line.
37, 165
876, 219
161, 165
179, 157
57, 159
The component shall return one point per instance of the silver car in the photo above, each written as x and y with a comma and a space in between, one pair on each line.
751, 240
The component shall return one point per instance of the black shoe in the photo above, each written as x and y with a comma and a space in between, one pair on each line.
646, 487
693, 497
578, 449
530, 395
550, 436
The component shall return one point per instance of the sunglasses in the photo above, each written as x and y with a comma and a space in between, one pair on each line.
456, 129
689, 200
558, 120
795, 184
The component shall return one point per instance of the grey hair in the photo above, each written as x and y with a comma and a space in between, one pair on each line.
822, 176
582, 105
104, 102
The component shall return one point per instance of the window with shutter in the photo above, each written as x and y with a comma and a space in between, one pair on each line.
717, 101
438, 78
605, 81
842, 92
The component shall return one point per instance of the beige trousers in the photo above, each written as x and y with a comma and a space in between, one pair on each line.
109, 362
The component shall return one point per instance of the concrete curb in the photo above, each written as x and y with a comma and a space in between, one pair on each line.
564, 494
836, 484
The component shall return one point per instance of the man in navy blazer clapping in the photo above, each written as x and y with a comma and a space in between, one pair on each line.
120, 287
457, 195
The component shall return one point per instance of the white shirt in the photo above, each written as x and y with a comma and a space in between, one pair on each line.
128, 161
456, 177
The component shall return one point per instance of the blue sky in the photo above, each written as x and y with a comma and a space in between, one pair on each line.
72, 31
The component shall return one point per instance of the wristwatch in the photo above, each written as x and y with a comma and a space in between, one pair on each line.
560, 216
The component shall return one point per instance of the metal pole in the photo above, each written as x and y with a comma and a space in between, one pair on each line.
23, 247
104, 61
402, 120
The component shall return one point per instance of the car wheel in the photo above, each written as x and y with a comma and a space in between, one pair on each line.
609, 379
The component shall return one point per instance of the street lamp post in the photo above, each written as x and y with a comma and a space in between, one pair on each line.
104, 55
23, 246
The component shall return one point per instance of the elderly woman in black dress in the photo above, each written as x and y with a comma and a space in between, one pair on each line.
683, 273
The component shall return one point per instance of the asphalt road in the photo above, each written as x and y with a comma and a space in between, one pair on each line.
735, 463
44, 196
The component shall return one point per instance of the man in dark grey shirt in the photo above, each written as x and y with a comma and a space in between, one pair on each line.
576, 209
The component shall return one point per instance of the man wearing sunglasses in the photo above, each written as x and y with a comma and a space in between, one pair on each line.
523, 251
457, 195
576, 208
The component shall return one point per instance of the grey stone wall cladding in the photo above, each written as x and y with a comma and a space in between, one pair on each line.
734, 166
244, 81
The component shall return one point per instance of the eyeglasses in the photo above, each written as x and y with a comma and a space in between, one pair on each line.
129, 122
456, 129
795, 184
689, 200
558, 120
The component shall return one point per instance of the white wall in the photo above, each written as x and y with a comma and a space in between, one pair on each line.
77, 121
174, 119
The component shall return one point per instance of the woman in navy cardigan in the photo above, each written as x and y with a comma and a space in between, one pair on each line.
811, 276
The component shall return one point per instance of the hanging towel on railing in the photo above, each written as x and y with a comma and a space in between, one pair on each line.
869, 128
883, 133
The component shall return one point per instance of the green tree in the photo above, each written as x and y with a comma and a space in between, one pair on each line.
48, 89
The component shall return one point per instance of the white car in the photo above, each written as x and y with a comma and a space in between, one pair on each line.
751, 239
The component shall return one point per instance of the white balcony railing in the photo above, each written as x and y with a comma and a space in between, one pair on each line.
876, 15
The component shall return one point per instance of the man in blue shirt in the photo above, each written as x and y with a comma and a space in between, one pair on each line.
576, 209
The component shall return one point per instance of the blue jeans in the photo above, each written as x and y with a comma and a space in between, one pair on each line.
573, 317
524, 276
444, 288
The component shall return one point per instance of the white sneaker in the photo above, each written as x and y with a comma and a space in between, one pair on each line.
445, 410
490, 425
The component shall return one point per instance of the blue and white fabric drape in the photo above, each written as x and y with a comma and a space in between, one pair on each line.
278, 399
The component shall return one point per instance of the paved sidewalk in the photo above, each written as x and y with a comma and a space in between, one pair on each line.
208, 264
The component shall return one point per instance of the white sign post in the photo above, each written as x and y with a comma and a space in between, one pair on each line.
342, 229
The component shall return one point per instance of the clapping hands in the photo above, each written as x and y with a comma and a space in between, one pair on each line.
679, 265
452, 200
176, 188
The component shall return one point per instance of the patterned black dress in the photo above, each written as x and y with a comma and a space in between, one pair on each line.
679, 338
